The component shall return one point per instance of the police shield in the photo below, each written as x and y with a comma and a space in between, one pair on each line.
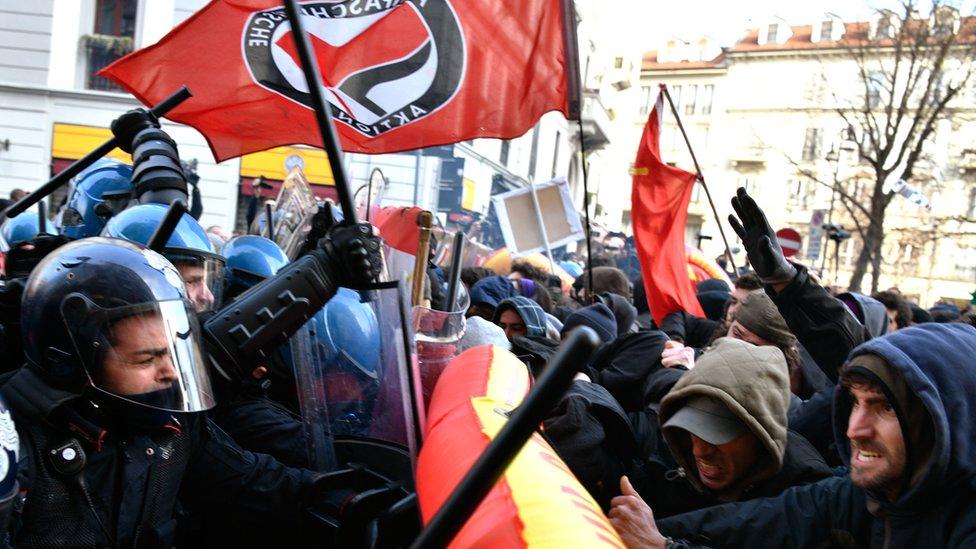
438, 337
359, 387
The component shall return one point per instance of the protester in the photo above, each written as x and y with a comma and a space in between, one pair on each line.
598, 317
471, 275
726, 434
623, 311
944, 312
478, 331
898, 311
713, 296
487, 293
605, 279
520, 316
919, 315
904, 423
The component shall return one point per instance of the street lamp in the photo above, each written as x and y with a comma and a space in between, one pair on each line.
834, 157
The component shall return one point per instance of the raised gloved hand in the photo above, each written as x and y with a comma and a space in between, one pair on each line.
765, 253
353, 253
125, 127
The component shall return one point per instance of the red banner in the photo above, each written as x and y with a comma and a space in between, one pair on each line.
661, 194
399, 74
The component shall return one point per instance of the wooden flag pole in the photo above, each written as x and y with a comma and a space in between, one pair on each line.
424, 220
701, 177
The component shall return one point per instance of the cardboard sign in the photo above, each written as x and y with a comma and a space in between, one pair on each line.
519, 223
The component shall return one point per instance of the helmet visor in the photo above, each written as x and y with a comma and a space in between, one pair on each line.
203, 276
147, 354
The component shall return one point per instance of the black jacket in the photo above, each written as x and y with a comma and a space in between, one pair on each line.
623, 365
689, 329
132, 478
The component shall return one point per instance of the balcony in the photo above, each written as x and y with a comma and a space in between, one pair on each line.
101, 51
749, 157
596, 122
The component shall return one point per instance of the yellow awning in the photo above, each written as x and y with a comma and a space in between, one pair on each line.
71, 142
271, 164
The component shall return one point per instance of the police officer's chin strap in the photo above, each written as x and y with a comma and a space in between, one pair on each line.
243, 335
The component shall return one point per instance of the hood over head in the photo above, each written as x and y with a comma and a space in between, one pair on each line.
934, 362
869, 311
531, 313
753, 384
492, 290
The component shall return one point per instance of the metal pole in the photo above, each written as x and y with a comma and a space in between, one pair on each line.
701, 177
269, 220
416, 177
542, 224
77, 166
323, 114
454, 275
41, 218
586, 213
166, 227
455, 511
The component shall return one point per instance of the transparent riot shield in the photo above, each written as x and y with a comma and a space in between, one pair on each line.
358, 381
438, 335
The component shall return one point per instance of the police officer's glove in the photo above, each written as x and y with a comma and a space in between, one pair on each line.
352, 253
22, 258
759, 239
126, 127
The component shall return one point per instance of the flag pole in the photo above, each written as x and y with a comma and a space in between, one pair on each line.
701, 177
323, 115
574, 89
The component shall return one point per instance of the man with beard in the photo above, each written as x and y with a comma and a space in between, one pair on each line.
904, 422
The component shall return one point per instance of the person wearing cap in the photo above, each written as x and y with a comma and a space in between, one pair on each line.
724, 427
905, 423
520, 316
598, 316
487, 293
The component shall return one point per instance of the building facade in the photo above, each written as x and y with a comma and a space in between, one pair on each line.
762, 114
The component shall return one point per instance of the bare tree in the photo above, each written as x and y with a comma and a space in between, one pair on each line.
910, 67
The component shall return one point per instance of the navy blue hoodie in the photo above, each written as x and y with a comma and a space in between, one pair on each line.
937, 363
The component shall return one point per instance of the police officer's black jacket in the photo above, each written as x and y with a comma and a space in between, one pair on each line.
132, 479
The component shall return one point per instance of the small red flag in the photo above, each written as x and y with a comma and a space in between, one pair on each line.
399, 74
660, 198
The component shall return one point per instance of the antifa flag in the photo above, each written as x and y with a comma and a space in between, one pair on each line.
398, 74
660, 198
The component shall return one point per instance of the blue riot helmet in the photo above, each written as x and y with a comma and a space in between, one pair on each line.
22, 228
9, 450
188, 248
250, 259
344, 360
99, 192
108, 319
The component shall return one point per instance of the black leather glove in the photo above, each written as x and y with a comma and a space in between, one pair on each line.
125, 127
22, 258
762, 247
352, 253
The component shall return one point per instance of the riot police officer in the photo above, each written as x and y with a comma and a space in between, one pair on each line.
108, 405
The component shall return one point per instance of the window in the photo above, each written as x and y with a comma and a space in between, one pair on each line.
876, 86
534, 154
771, 33
112, 37
826, 30
555, 155
800, 191
647, 95
503, 156
811, 144
885, 27
618, 63
676, 92
690, 98
708, 90
971, 210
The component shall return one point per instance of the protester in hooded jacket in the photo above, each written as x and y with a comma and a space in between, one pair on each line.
869, 312
726, 434
487, 293
905, 422
520, 316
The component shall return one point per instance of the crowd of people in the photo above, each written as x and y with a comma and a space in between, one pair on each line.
787, 417
153, 394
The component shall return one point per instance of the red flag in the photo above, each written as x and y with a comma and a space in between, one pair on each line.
399, 74
660, 208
